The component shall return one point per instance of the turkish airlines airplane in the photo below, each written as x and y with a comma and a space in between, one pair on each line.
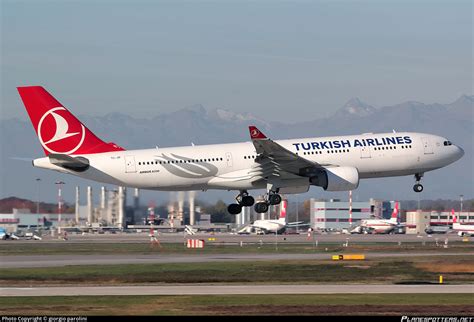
284, 166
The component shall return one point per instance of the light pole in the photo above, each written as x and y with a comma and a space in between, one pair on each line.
461, 196
38, 200
297, 214
59, 183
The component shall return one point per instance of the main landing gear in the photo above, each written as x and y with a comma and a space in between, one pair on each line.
418, 187
245, 200
272, 198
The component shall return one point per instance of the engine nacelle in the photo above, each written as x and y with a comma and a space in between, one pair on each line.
337, 179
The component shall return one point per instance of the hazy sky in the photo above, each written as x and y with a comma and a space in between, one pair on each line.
286, 61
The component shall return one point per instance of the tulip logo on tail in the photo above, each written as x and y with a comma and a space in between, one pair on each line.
57, 134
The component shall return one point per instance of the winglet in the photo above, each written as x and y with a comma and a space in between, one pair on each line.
256, 134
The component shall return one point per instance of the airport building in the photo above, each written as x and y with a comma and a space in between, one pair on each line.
337, 215
22, 219
418, 221
109, 211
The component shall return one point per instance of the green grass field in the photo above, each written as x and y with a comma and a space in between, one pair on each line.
334, 304
455, 269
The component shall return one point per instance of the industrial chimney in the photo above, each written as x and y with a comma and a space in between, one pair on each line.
103, 197
180, 206
89, 205
122, 202
192, 219
77, 205
136, 198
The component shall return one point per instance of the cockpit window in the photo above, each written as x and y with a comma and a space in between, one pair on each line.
446, 143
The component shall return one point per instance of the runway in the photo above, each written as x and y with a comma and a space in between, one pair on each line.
18, 261
236, 290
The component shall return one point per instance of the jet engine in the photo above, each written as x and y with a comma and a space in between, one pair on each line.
337, 179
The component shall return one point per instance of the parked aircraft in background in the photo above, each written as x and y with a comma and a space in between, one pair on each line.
189, 230
383, 226
460, 228
284, 166
272, 226
4, 235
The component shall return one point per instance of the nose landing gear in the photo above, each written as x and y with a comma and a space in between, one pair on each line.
418, 187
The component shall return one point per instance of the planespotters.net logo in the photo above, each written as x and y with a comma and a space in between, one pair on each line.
59, 132
437, 319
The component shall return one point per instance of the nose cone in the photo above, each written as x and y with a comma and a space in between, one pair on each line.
459, 152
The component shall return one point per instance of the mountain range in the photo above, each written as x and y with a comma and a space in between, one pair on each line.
199, 125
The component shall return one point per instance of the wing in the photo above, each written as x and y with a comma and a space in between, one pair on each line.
297, 224
273, 160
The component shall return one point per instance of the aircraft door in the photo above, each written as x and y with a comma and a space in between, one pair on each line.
427, 147
130, 165
365, 152
228, 158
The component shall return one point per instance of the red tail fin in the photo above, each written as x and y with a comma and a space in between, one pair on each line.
58, 130
255, 133
283, 206
455, 220
395, 211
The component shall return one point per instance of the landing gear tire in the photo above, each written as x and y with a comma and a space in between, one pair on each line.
274, 199
261, 207
418, 188
244, 199
247, 201
234, 208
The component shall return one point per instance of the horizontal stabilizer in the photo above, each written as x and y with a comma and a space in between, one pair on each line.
79, 164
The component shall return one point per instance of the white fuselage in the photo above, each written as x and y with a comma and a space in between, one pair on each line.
464, 229
380, 226
227, 166
269, 226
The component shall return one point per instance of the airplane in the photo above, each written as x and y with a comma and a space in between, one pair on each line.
4, 235
272, 226
460, 228
281, 167
189, 230
383, 226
